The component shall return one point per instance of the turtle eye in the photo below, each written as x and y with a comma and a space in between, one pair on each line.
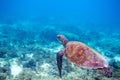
58, 36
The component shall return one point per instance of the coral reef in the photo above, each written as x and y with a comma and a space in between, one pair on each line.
5, 72
34, 53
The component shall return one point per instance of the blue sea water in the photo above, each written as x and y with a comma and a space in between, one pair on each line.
29, 29
84, 13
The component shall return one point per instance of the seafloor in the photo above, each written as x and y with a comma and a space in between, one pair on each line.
29, 53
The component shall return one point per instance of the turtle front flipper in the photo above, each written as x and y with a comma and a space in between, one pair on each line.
59, 61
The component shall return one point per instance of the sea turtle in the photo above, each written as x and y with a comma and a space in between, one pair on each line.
82, 55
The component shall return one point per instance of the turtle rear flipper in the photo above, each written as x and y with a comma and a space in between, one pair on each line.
59, 61
107, 72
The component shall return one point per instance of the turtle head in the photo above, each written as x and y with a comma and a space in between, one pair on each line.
62, 39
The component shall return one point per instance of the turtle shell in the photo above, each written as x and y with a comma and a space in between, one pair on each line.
83, 56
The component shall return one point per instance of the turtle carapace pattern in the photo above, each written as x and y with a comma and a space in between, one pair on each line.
82, 55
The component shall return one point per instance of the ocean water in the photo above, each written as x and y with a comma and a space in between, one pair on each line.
29, 44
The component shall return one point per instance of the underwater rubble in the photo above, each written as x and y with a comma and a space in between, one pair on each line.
27, 55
